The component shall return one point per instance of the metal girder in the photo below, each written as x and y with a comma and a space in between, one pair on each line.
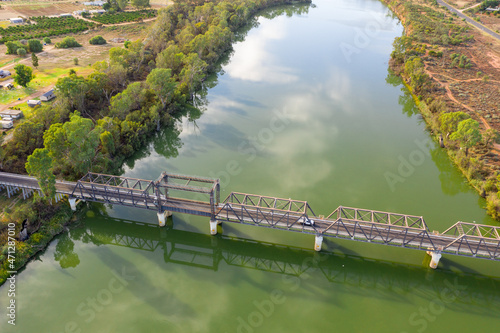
373, 216
117, 181
377, 232
281, 204
473, 229
183, 183
477, 240
265, 217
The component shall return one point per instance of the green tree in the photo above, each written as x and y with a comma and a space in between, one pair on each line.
490, 136
13, 46
468, 134
128, 100
140, 3
74, 90
34, 60
400, 46
419, 80
108, 143
97, 40
109, 78
21, 52
24, 75
122, 4
34, 45
162, 83
67, 42
74, 144
40, 165
193, 72
47, 40
172, 57
449, 121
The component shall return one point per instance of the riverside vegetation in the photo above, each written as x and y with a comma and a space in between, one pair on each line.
100, 120
435, 39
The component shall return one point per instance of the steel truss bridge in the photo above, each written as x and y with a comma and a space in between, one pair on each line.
173, 193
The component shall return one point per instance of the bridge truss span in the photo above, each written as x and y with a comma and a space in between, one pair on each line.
476, 240
373, 216
267, 212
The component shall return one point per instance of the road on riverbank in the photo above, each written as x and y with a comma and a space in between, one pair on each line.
469, 20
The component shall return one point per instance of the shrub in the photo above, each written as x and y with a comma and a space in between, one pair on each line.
68, 42
34, 45
13, 46
97, 40
47, 40
21, 52
493, 205
437, 54
75, 61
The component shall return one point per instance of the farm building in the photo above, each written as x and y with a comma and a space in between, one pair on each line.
14, 114
97, 11
48, 96
16, 20
4, 74
65, 15
33, 102
79, 12
95, 3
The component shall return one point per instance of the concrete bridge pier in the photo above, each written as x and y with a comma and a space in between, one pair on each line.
162, 217
72, 203
213, 227
435, 257
318, 241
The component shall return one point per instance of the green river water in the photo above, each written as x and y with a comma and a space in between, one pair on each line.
304, 108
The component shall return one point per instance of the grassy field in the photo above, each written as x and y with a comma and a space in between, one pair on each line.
5, 62
42, 80
9, 96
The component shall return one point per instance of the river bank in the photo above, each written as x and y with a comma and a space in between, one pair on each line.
427, 58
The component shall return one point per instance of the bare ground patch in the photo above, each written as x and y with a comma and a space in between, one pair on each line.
6, 13
45, 9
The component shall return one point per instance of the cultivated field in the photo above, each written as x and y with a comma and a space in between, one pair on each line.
45, 9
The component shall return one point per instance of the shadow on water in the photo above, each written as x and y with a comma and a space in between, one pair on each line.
475, 293
405, 98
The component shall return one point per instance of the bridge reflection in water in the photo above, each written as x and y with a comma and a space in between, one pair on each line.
356, 274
